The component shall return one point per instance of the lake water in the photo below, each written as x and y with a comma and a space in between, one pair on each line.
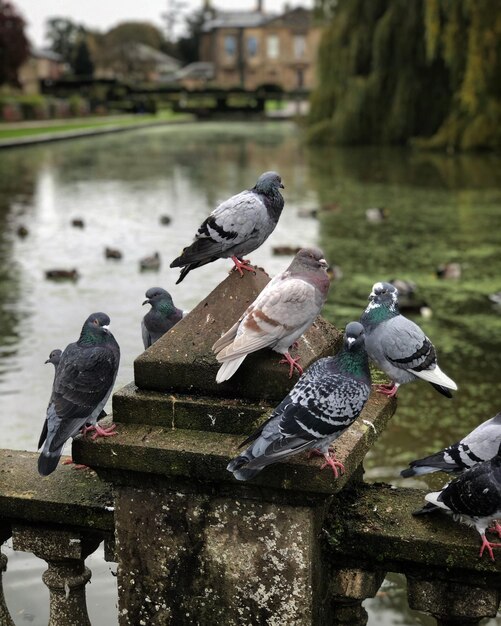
439, 209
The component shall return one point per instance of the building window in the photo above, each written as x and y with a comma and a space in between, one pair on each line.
299, 46
230, 45
273, 47
252, 46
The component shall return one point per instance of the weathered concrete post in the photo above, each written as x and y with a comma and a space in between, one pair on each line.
65, 552
195, 546
349, 588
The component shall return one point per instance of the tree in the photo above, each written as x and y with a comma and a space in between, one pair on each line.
135, 32
188, 46
63, 35
82, 63
392, 70
14, 46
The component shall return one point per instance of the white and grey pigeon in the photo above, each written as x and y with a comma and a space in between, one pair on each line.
473, 498
237, 227
482, 444
281, 313
324, 402
398, 346
83, 383
162, 316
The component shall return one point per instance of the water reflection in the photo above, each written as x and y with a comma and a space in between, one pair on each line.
440, 209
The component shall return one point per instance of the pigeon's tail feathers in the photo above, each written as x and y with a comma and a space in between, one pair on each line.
418, 470
202, 251
443, 390
436, 377
239, 471
434, 498
185, 271
228, 368
429, 507
43, 435
47, 461
226, 339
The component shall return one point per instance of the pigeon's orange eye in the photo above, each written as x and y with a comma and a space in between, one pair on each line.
96, 322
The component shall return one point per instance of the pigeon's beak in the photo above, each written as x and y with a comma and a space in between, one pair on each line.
350, 341
146, 302
105, 328
323, 263
47, 361
281, 186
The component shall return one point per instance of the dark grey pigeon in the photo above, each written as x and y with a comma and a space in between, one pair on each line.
327, 398
281, 313
482, 444
162, 316
474, 497
237, 227
83, 383
54, 358
398, 346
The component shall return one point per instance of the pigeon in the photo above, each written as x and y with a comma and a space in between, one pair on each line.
54, 358
327, 398
482, 444
148, 263
474, 498
236, 227
83, 383
281, 313
161, 317
398, 346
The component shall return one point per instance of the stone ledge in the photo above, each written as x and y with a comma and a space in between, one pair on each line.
67, 496
373, 524
182, 360
134, 406
202, 457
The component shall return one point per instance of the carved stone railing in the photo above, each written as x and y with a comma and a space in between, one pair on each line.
194, 546
62, 519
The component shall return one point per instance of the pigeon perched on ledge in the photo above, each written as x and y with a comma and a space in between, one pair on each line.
281, 313
83, 383
482, 444
236, 227
398, 346
474, 498
162, 316
327, 399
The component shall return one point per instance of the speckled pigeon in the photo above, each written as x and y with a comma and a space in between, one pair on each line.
474, 497
482, 444
82, 385
281, 313
236, 227
398, 346
327, 398
162, 316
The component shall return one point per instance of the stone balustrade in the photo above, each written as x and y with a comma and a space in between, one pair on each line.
194, 546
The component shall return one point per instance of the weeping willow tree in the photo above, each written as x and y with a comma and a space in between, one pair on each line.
391, 71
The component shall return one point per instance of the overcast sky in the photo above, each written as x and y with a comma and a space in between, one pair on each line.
103, 14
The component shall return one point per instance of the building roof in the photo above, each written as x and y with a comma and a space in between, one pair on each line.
237, 19
45, 53
147, 53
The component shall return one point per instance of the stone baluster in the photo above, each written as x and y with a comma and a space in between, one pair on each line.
349, 588
452, 603
65, 552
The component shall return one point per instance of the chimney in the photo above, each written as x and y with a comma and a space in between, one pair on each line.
259, 7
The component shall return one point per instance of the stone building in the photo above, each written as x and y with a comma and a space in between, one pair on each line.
40, 65
254, 48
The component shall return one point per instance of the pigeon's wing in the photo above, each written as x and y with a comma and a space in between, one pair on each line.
476, 492
284, 308
231, 223
146, 335
82, 385
407, 347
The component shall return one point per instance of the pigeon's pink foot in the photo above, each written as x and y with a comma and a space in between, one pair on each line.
387, 390
104, 432
314, 452
295, 345
243, 264
495, 529
77, 466
293, 364
86, 429
331, 461
487, 544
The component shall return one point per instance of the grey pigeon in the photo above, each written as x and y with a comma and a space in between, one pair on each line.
482, 444
474, 497
238, 226
83, 383
281, 313
327, 398
398, 346
162, 316
54, 358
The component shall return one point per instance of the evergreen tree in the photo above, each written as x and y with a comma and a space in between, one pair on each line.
82, 62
